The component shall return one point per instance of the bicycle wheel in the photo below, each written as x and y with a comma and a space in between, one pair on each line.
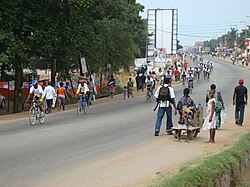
147, 97
190, 87
41, 116
80, 109
86, 108
32, 115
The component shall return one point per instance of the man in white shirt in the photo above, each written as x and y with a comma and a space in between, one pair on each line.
165, 106
37, 92
50, 94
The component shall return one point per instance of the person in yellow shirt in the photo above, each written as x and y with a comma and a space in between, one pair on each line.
82, 90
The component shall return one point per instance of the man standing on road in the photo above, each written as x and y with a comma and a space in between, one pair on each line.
165, 97
143, 81
138, 81
240, 100
50, 94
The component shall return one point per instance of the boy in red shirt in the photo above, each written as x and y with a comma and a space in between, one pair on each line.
176, 74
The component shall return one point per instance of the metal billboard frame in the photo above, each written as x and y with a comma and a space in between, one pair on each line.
152, 28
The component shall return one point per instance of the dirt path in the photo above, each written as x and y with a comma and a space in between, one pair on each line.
137, 167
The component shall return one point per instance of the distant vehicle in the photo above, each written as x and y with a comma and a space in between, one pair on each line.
2, 101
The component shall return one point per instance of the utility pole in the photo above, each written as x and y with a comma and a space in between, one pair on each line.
236, 41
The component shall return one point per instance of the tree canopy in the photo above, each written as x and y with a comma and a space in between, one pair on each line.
230, 38
108, 33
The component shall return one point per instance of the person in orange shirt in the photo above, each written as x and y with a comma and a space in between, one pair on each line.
61, 93
185, 64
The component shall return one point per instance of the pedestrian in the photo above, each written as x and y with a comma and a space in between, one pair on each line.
186, 108
219, 105
243, 61
165, 99
61, 93
154, 79
240, 100
91, 91
138, 81
124, 92
50, 94
111, 84
168, 76
130, 87
143, 81
67, 87
210, 120
176, 74
185, 64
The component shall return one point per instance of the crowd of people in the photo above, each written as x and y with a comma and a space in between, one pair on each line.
186, 106
59, 95
164, 94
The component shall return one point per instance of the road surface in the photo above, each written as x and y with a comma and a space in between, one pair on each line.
113, 145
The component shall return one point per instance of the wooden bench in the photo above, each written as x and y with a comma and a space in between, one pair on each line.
193, 131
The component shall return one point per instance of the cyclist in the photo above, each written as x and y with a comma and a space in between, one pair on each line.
183, 76
154, 79
208, 71
190, 79
197, 73
149, 84
82, 90
38, 94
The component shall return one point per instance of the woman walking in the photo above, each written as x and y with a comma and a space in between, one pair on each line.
130, 87
111, 84
219, 104
61, 92
210, 120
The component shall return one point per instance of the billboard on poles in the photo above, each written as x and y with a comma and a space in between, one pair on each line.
84, 65
163, 32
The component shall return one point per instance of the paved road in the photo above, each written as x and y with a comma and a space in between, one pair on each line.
29, 155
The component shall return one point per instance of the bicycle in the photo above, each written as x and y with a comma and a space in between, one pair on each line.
82, 105
149, 95
35, 113
183, 80
190, 86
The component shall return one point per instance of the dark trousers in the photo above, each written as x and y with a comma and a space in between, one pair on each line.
49, 103
239, 113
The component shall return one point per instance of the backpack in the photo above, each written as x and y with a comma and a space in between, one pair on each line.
164, 94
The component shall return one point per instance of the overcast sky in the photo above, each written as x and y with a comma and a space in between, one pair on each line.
204, 19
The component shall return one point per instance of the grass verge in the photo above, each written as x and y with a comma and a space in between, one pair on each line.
205, 170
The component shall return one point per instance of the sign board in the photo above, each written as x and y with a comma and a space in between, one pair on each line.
160, 55
84, 65
12, 85
140, 61
163, 29
247, 42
